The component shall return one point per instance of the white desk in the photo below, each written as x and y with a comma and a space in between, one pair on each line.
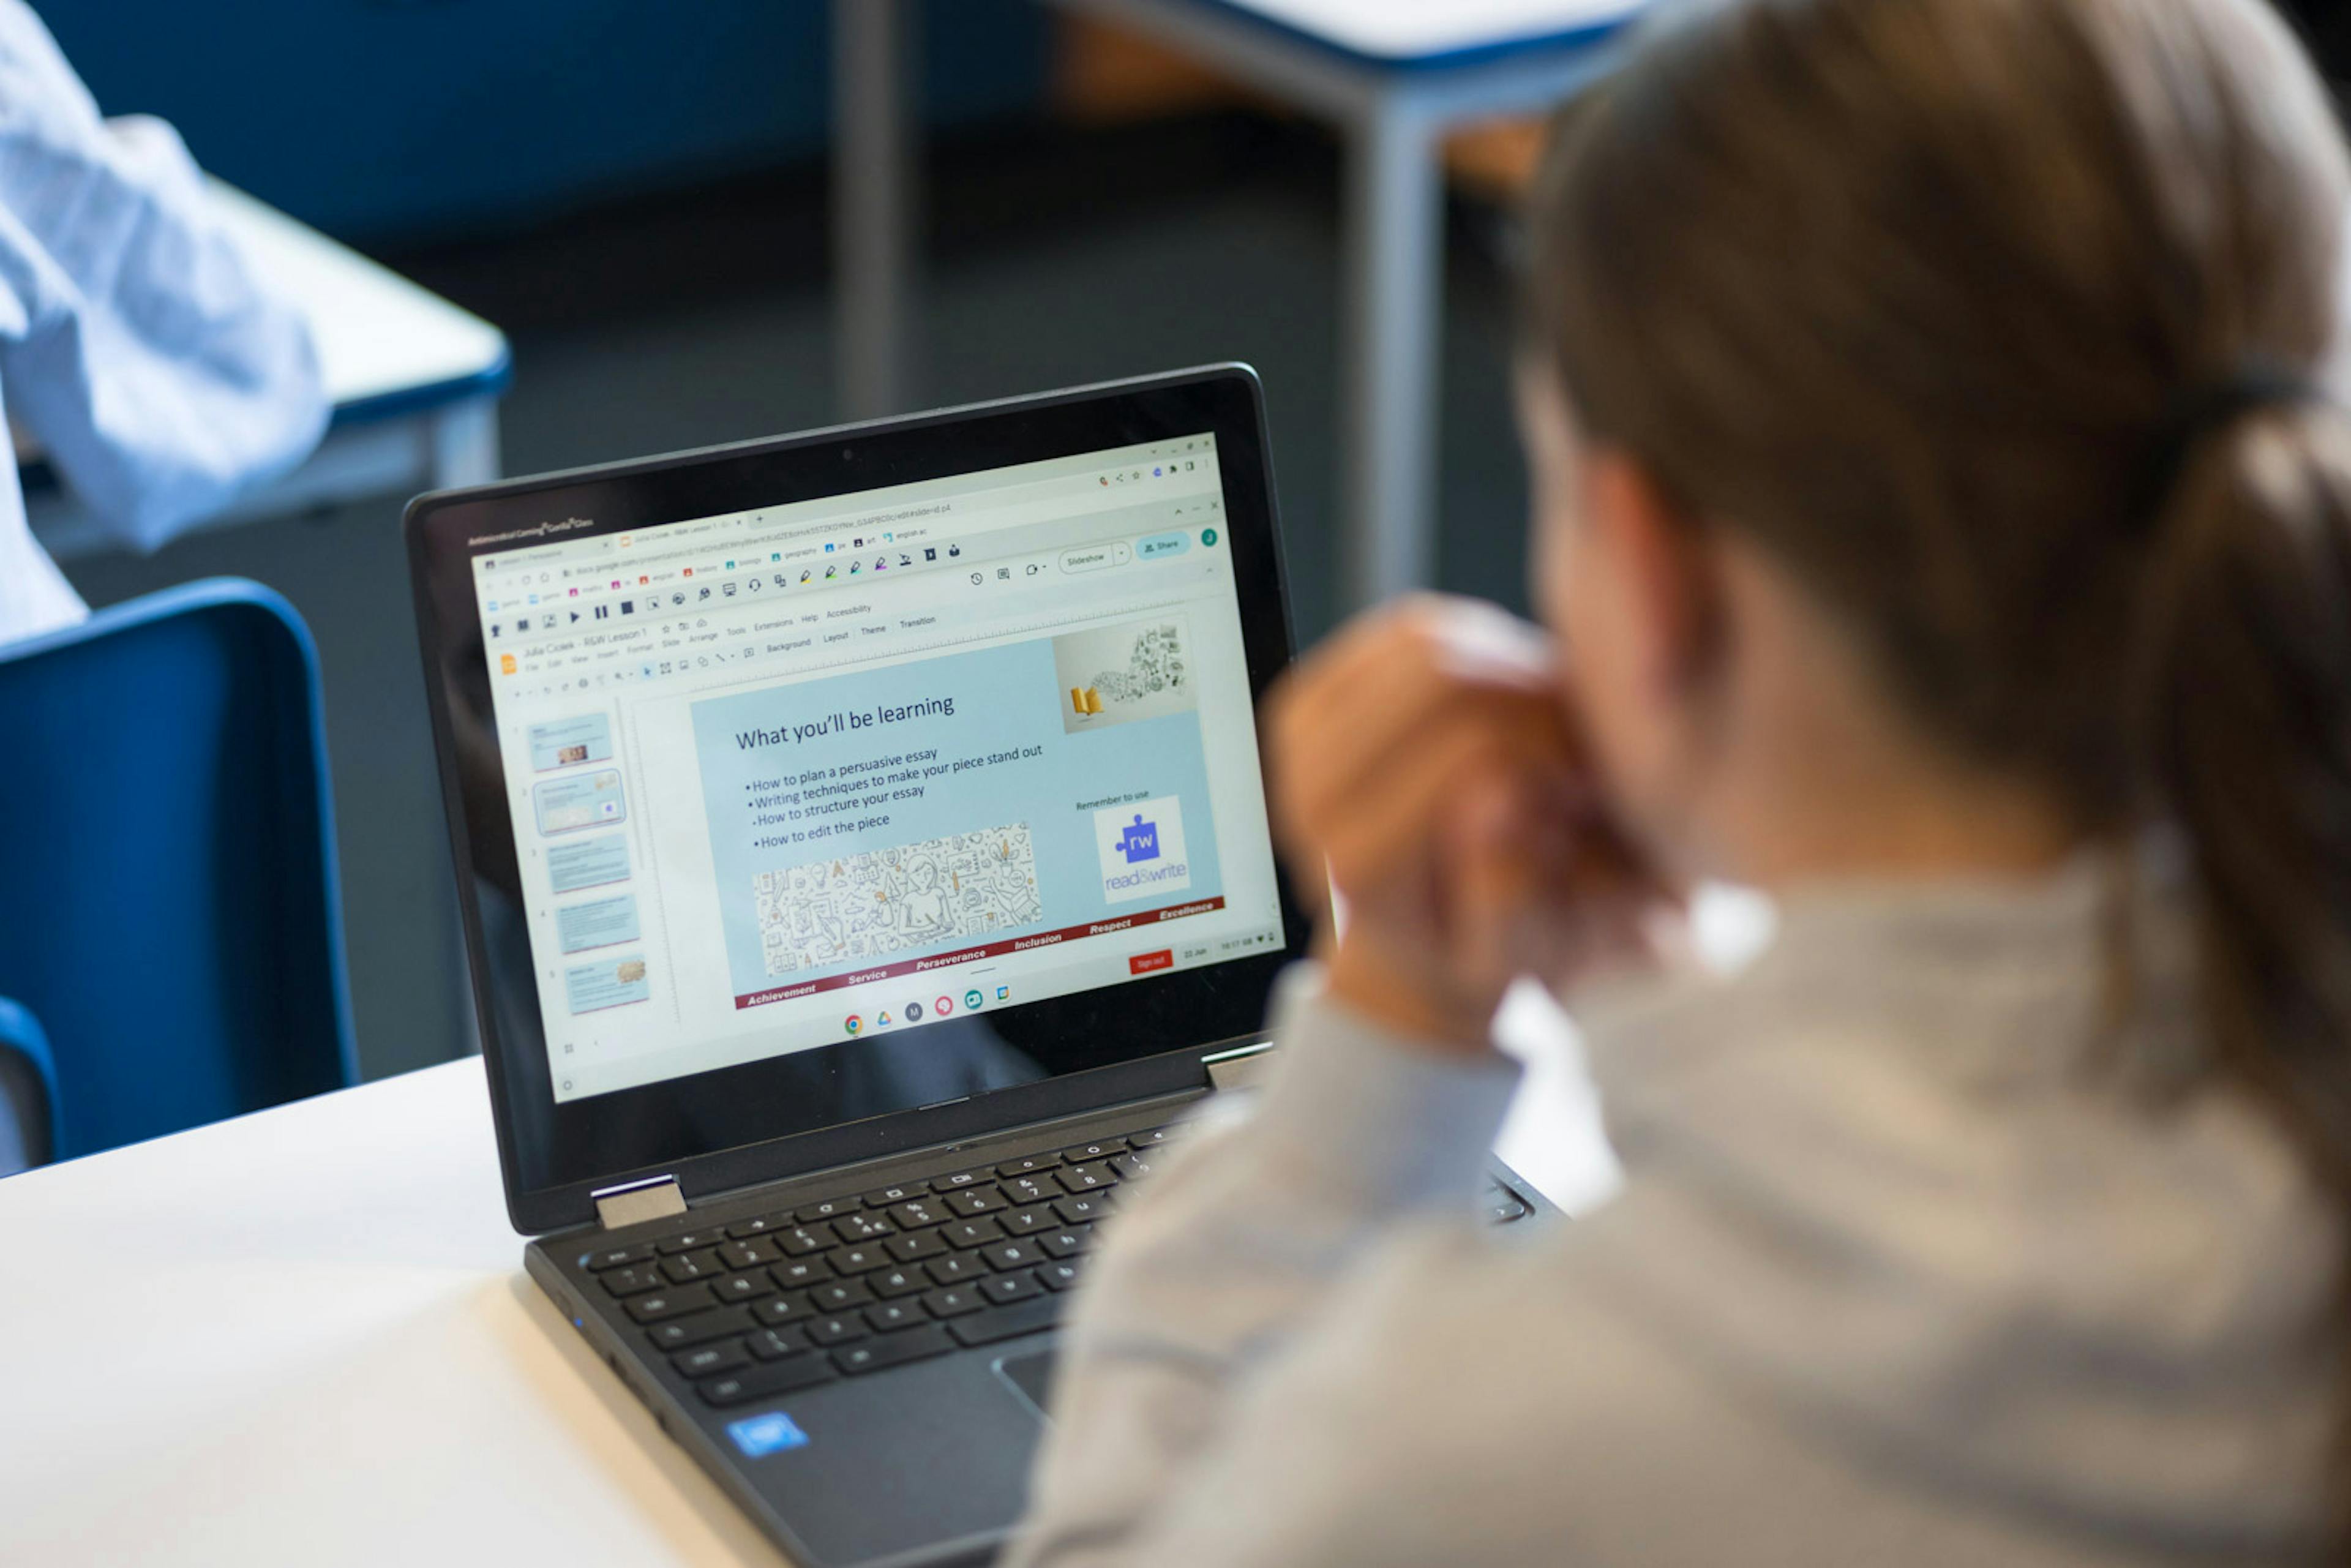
304, 1337
1393, 74
414, 381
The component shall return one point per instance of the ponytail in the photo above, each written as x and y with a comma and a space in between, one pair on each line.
2240, 736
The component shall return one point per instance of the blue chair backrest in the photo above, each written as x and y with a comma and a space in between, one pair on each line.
169, 907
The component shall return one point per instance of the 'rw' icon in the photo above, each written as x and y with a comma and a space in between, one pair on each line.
1140, 840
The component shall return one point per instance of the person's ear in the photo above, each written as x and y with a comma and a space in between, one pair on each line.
1665, 563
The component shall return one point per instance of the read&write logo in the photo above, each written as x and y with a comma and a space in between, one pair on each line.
1142, 848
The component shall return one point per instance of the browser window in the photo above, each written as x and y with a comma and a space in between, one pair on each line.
792, 776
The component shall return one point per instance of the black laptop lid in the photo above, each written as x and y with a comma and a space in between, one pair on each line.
846, 792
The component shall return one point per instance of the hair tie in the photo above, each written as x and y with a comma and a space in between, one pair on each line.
2199, 411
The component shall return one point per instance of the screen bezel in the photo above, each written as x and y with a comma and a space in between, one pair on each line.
1130, 1040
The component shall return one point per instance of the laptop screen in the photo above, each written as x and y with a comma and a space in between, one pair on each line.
820, 772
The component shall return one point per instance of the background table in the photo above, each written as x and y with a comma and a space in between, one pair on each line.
414, 381
1394, 75
305, 1337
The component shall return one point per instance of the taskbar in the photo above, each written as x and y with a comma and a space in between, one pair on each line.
879, 1000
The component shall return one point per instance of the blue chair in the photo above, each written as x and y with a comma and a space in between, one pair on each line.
29, 1085
169, 907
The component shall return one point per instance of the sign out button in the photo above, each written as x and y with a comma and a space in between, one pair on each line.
1145, 963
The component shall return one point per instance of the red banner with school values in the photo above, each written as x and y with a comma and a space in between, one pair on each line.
1035, 939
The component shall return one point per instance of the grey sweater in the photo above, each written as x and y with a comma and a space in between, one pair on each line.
1907, 1270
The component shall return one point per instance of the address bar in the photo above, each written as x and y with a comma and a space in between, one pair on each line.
1083, 497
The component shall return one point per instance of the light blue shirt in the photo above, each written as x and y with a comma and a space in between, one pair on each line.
135, 346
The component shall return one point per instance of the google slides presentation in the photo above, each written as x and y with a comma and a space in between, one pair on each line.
788, 778
862, 824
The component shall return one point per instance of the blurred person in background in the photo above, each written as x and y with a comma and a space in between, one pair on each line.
1944, 523
135, 347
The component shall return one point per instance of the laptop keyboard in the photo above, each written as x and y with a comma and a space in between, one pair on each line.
851, 1285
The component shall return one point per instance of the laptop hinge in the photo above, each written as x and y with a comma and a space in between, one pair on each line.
632, 1202
1243, 1067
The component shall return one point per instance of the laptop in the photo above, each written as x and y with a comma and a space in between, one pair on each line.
864, 863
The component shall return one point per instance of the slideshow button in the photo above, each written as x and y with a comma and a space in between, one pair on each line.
1094, 557
1145, 963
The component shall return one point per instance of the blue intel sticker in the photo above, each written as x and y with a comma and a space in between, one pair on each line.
768, 1433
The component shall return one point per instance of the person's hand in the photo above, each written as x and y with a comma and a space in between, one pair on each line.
1427, 759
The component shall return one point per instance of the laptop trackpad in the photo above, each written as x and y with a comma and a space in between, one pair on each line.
1032, 1377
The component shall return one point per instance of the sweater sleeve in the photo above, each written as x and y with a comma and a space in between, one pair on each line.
1249, 1235
134, 341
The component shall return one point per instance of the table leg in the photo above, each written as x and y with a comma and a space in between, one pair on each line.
463, 445
1395, 260
873, 179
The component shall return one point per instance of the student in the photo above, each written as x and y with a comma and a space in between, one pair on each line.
134, 346
1943, 525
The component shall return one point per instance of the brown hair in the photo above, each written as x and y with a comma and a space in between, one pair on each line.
2001, 323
